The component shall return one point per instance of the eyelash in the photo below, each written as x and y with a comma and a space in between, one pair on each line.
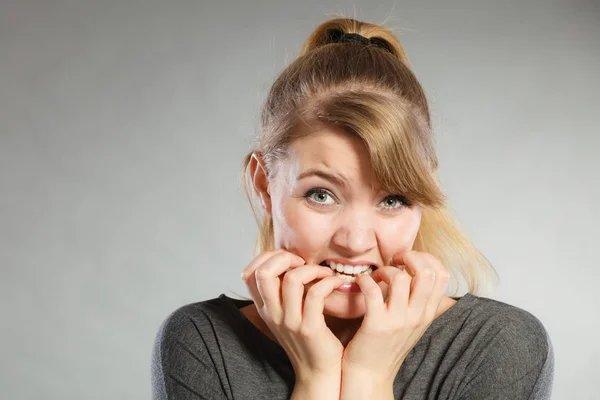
307, 197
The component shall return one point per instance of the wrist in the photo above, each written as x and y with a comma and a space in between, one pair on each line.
317, 387
362, 386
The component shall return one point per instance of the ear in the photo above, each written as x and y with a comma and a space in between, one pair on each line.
260, 182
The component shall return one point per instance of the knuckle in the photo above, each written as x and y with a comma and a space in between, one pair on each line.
277, 324
266, 315
290, 324
430, 257
261, 274
428, 273
400, 277
276, 319
290, 279
443, 275
305, 331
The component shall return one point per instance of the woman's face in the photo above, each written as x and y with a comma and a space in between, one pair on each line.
325, 204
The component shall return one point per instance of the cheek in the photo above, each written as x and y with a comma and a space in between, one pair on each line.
398, 234
298, 228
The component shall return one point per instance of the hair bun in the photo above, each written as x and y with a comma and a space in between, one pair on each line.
384, 44
333, 35
347, 30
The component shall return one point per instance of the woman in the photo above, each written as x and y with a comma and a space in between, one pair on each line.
355, 253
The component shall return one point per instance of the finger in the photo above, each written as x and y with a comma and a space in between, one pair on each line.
250, 279
314, 303
423, 279
373, 297
293, 291
384, 274
257, 261
398, 282
398, 260
442, 277
268, 280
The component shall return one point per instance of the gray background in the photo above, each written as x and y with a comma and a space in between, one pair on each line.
122, 129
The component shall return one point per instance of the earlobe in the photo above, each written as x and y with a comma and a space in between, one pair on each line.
260, 181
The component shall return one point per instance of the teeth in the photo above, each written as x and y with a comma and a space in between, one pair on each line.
350, 269
360, 268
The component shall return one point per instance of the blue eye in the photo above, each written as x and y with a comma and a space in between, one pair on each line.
319, 197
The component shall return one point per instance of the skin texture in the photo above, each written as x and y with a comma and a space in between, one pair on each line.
353, 220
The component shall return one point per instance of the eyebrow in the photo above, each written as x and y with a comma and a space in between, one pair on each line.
336, 179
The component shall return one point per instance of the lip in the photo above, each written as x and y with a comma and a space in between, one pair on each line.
349, 287
348, 262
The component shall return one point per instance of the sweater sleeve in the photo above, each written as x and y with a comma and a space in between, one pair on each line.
517, 363
182, 367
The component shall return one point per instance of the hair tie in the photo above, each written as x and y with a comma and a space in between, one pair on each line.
337, 36
354, 38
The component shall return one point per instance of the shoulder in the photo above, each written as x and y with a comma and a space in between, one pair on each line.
510, 348
510, 323
197, 310
189, 322
182, 355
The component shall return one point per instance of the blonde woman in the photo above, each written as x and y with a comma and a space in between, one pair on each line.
356, 250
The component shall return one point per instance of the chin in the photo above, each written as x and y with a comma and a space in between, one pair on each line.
345, 305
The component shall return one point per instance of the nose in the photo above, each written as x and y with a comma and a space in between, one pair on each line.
355, 232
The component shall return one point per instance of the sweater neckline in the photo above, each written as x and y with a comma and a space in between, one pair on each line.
462, 304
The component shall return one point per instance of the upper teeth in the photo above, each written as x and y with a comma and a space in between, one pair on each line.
348, 269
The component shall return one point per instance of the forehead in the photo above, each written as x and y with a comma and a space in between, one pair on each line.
331, 149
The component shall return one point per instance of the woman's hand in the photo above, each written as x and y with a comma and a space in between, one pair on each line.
392, 328
299, 327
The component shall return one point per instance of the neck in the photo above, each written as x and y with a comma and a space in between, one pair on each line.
343, 329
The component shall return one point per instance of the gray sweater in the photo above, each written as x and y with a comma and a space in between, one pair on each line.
478, 349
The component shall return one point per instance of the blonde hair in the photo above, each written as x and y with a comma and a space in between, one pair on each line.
369, 91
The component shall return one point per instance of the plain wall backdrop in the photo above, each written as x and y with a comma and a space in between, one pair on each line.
122, 129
